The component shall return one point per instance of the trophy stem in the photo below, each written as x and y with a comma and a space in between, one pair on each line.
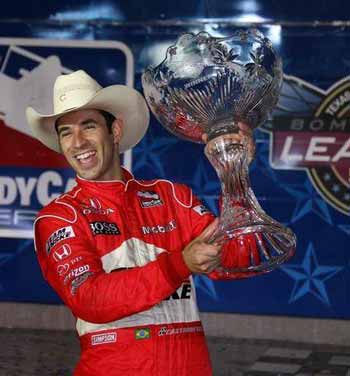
253, 242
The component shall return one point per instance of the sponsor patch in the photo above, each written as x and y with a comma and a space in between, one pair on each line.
75, 260
149, 199
201, 209
158, 229
63, 252
183, 292
59, 235
77, 282
165, 331
76, 272
143, 333
104, 228
62, 269
99, 339
93, 206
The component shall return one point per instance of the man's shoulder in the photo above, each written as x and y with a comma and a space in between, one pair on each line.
62, 206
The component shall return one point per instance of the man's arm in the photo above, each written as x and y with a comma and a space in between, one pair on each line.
96, 296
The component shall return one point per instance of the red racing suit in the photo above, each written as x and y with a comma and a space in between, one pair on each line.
113, 253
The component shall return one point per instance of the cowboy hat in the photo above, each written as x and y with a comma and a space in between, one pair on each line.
79, 91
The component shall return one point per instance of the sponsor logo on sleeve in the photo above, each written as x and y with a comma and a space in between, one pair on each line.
63, 252
104, 228
159, 229
201, 209
76, 273
77, 282
62, 269
59, 235
149, 199
99, 339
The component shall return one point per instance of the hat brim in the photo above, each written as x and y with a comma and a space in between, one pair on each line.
121, 101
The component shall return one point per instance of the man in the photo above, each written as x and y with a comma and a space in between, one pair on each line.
118, 251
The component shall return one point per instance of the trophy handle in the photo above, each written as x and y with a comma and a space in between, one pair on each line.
253, 243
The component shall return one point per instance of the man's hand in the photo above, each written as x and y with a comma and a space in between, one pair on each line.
244, 136
199, 255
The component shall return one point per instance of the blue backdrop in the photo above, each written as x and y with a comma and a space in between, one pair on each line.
300, 174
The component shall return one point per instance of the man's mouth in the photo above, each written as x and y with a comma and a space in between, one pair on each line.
86, 158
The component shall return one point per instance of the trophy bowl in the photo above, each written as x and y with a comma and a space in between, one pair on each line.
215, 89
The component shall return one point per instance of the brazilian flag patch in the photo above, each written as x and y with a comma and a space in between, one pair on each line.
143, 333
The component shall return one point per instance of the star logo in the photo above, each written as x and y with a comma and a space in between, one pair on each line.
310, 277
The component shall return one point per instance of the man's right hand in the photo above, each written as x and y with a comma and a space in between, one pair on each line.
199, 255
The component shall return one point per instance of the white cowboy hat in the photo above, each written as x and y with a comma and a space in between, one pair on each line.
79, 91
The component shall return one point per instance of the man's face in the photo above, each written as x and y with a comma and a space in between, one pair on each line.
88, 145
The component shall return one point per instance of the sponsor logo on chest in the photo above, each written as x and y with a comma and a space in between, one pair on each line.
57, 236
104, 228
94, 206
159, 229
149, 199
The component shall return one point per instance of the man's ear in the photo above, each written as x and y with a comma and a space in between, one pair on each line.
117, 130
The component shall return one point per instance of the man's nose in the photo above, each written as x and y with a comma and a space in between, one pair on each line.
78, 138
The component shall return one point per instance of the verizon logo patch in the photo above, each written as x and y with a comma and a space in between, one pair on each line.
99, 339
57, 236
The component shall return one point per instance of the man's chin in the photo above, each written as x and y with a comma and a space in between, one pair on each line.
87, 175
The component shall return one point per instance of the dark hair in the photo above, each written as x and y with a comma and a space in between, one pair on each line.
109, 119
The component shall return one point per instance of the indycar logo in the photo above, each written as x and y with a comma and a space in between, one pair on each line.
311, 131
93, 206
149, 199
59, 235
104, 228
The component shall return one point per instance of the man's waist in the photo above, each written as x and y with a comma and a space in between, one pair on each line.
140, 333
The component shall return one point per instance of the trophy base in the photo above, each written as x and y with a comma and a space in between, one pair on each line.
252, 249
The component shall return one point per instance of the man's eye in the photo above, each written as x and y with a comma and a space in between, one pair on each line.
90, 126
64, 134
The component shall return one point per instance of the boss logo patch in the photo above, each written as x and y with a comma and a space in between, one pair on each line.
104, 228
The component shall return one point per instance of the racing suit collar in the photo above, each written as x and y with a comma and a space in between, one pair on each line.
115, 185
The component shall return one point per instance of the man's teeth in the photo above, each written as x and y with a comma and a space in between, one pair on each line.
85, 155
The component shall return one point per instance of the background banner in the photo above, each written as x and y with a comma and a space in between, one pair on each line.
300, 174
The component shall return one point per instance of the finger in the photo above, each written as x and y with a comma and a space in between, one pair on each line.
209, 267
208, 231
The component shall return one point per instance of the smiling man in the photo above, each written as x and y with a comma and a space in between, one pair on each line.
119, 251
